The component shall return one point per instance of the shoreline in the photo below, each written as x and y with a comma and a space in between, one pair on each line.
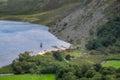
56, 49
34, 37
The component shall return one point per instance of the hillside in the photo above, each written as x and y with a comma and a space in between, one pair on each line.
44, 12
81, 24
92, 26
31, 6
75, 21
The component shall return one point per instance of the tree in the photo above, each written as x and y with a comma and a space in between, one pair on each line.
83, 78
97, 67
85, 68
90, 73
24, 56
93, 44
17, 69
69, 76
57, 55
108, 77
68, 57
108, 71
107, 37
79, 72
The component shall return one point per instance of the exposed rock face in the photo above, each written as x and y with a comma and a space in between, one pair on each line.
83, 22
75, 25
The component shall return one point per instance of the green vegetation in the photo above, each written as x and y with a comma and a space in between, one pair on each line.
75, 53
6, 69
29, 77
108, 38
37, 64
65, 69
58, 56
76, 67
67, 65
112, 63
26, 6
45, 12
86, 72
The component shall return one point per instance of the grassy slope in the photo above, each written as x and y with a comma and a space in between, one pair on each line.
29, 77
112, 63
17, 7
41, 16
82, 58
46, 18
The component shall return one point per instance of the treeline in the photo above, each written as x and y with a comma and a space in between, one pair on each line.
37, 64
63, 70
86, 72
107, 38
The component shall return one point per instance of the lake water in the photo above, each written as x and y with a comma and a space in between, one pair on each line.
18, 37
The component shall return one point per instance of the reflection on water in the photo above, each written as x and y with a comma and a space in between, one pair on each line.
18, 37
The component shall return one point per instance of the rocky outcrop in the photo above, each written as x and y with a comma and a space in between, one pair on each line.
79, 25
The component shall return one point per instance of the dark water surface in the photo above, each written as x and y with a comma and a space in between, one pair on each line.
18, 37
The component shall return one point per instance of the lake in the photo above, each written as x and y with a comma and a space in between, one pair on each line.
18, 37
